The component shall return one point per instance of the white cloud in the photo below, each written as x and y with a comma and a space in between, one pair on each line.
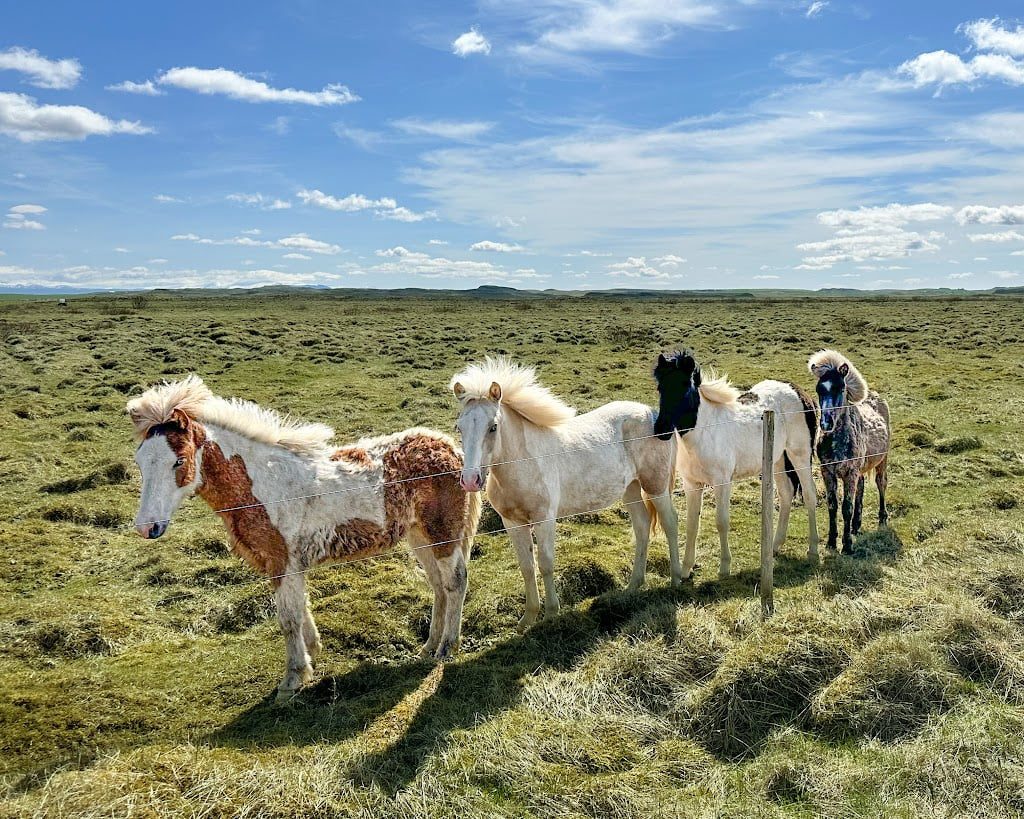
296, 242
891, 215
444, 129
165, 199
384, 207
259, 200
671, 260
40, 71
766, 277
121, 250
959, 275
471, 42
28, 209
24, 119
146, 88
365, 139
280, 125
252, 232
636, 267
437, 242
349, 204
1000, 47
860, 246
296, 256
1005, 274
497, 247
17, 220
239, 87
985, 215
1002, 236
156, 261
988, 35
815, 8
402, 260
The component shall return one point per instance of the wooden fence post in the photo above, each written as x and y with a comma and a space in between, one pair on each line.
767, 513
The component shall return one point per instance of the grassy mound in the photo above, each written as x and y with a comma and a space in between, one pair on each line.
889, 690
760, 688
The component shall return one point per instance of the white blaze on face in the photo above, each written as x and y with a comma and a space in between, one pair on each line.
161, 496
478, 427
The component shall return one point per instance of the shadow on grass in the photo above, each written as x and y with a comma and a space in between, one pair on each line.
471, 688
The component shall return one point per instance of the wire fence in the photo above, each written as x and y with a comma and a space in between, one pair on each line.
379, 486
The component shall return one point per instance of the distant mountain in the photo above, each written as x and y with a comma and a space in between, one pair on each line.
500, 292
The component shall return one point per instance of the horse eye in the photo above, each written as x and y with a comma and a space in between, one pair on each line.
493, 429
179, 462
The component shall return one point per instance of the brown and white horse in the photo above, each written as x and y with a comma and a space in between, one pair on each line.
290, 501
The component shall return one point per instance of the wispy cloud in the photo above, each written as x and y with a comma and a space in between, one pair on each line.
147, 88
385, 207
232, 84
497, 247
41, 71
259, 200
443, 129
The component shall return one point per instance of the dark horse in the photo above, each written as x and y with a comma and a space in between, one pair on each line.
854, 441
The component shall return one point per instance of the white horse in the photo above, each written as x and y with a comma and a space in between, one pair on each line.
540, 461
720, 432
290, 501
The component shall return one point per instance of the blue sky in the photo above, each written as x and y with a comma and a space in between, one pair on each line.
553, 143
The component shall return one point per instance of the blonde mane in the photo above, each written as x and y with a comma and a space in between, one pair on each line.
519, 390
717, 389
192, 398
824, 360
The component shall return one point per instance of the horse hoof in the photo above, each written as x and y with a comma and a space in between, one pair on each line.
525, 622
635, 585
285, 695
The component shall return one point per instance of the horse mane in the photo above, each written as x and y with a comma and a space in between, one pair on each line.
825, 360
519, 390
193, 399
717, 389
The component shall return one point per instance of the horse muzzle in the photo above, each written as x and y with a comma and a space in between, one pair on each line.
472, 480
151, 531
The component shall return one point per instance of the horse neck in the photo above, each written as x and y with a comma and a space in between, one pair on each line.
230, 462
515, 441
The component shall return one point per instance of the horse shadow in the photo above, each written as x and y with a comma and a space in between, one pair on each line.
424, 703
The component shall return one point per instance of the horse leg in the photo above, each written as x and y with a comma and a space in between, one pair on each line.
785, 489
882, 481
311, 635
849, 491
522, 541
546, 558
858, 505
455, 581
722, 495
426, 559
670, 523
810, 494
641, 520
291, 613
694, 500
832, 501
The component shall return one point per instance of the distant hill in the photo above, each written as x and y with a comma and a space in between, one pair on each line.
499, 292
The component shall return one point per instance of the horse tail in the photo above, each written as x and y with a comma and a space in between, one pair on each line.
470, 521
652, 510
810, 414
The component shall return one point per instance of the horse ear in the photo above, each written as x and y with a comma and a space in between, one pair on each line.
844, 369
180, 418
458, 390
495, 391
662, 361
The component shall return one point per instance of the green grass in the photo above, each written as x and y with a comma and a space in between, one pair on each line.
139, 676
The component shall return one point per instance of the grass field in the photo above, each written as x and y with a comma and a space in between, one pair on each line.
139, 677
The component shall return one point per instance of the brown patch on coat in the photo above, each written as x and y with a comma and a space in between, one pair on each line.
414, 495
227, 488
355, 455
748, 398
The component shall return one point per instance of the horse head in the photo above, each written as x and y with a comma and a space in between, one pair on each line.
678, 376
